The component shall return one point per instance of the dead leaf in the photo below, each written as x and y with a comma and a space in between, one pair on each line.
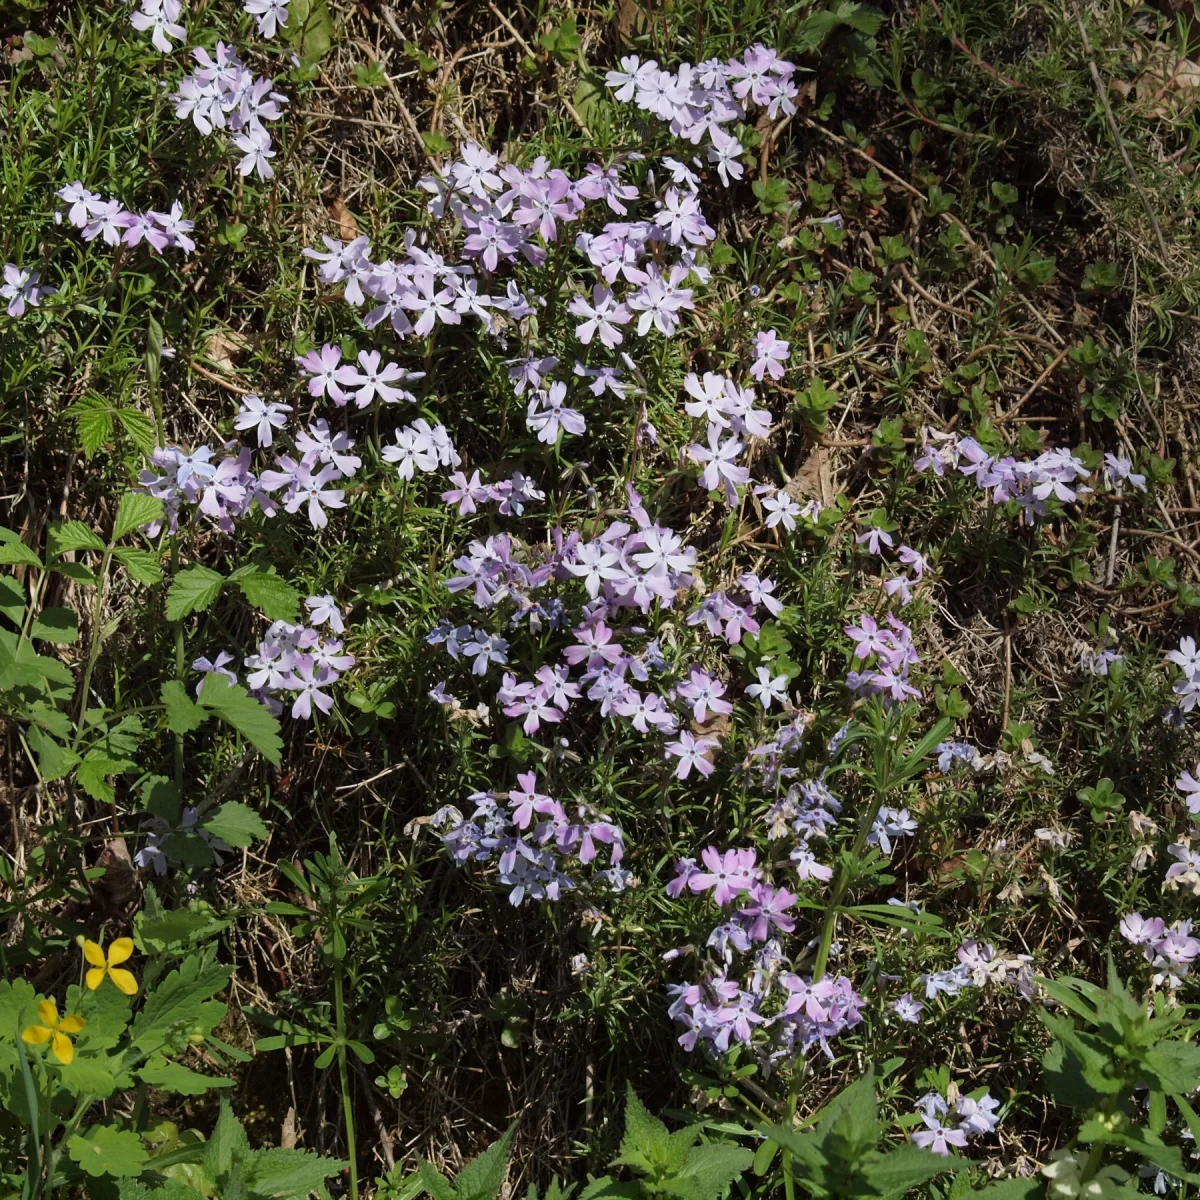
223, 346
814, 480
343, 218
114, 888
631, 19
1167, 83
287, 1136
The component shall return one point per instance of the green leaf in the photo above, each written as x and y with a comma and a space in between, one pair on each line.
88, 1077
72, 535
139, 428
12, 600
483, 1177
192, 590
57, 625
14, 554
1174, 1066
435, 1183
54, 760
92, 774
183, 1081
310, 28
234, 705
93, 417
1008, 1189
288, 1174
236, 824
135, 510
142, 565
278, 600
179, 999
107, 1150
175, 927
183, 713
160, 798
646, 1139
227, 1145
903, 1167
709, 1169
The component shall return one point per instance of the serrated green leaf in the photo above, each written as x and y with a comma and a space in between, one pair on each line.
92, 775
88, 1076
646, 1141
138, 428
107, 1150
288, 1174
76, 571
254, 721
1174, 1066
13, 554
179, 998
183, 713
72, 535
227, 1145
183, 1081
236, 824
142, 565
435, 1183
54, 760
135, 510
483, 1177
277, 599
93, 419
902, 1168
57, 625
192, 590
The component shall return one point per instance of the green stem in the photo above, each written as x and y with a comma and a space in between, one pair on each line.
81, 1108
180, 668
94, 647
339, 1009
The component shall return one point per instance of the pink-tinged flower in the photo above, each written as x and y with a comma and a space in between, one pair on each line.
271, 15
263, 416
594, 563
768, 910
685, 868
770, 353
325, 371
873, 537
601, 317
371, 380
727, 874
868, 637
690, 751
709, 398
594, 645
704, 693
311, 490
20, 288
255, 145
721, 469
644, 711
307, 684
908, 1009
525, 800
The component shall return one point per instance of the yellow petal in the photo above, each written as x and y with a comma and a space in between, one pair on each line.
48, 1012
94, 955
62, 1048
36, 1035
72, 1024
119, 951
94, 978
124, 980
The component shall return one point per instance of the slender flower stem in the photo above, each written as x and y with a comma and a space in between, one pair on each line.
344, 1076
94, 647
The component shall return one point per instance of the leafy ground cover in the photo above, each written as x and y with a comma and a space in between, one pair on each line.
567, 563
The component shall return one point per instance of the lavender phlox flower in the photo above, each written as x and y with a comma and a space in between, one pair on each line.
949, 982
217, 667
1185, 872
770, 354
938, 1137
704, 694
21, 288
781, 509
908, 1009
263, 416
271, 15
873, 538
1118, 468
161, 19
691, 751
949, 753
768, 690
726, 875
890, 823
806, 864
721, 470
324, 610
547, 414
725, 151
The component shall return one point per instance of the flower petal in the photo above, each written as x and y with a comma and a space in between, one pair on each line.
94, 978
36, 1035
48, 1013
119, 951
94, 954
62, 1049
124, 980
72, 1024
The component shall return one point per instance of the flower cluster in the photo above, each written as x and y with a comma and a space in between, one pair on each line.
698, 101
1053, 475
21, 288
534, 841
158, 829
224, 94
96, 217
955, 1124
886, 653
1171, 950
292, 660
797, 1013
980, 966
372, 378
1187, 687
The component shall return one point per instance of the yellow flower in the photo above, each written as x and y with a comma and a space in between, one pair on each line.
118, 952
54, 1031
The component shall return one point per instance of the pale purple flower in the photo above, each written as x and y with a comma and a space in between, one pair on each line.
547, 414
306, 681
255, 145
263, 416
272, 15
725, 150
20, 288
908, 1009
324, 610
938, 1137
690, 751
721, 470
